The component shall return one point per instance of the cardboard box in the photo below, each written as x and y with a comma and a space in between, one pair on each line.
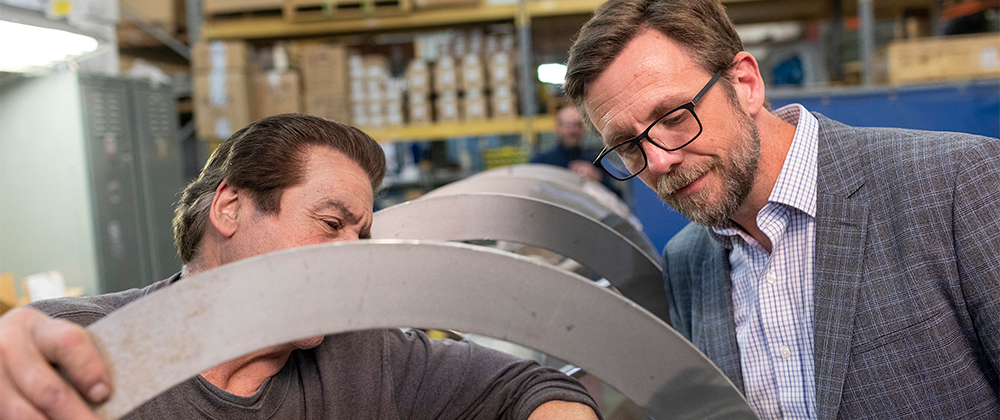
447, 107
474, 105
221, 104
418, 77
276, 93
219, 56
323, 67
445, 75
503, 103
375, 66
376, 113
394, 113
359, 114
168, 15
420, 112
329, 106
500, 69
473, 77
357, 90
355, 67
944, 58
8, 293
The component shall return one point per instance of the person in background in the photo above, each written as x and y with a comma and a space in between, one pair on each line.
830, 271
281, 182
568, 152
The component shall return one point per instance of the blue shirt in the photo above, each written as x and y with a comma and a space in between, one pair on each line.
773, 293
562, 156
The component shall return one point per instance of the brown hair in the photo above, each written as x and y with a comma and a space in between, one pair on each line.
265, 158
700, 26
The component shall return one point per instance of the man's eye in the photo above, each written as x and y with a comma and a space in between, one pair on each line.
333, 224
672, 120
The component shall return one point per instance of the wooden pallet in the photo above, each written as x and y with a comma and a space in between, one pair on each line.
321, 10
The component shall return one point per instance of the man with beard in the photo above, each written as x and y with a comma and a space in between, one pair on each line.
837, 272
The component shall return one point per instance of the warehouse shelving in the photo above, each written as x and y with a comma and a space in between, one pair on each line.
278, 27
529, 127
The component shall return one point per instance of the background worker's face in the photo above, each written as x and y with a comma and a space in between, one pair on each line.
569, 127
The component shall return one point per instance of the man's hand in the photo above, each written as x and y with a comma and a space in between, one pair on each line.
555, 410
586, 170
30, 388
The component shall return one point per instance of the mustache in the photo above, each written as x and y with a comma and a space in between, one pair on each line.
669, 184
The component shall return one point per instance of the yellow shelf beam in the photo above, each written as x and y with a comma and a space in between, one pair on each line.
277, 27
440, 131
280, 28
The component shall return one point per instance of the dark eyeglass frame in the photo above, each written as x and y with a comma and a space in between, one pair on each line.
635, 141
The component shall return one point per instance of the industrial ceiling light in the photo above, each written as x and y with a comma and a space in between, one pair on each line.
27, 48
553, 73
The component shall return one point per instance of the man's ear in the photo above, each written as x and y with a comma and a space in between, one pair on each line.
225, 209
749, 84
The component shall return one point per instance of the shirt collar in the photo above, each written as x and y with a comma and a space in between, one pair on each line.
796, 183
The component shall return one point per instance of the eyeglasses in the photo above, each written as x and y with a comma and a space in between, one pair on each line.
675, 129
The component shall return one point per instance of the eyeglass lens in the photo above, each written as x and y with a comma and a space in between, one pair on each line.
670, 132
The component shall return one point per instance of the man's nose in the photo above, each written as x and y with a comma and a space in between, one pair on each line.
660, 161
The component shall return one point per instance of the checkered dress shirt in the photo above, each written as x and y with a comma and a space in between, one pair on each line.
773, 293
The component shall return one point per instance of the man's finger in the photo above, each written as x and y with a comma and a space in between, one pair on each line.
32, 376
73, 349
15, 405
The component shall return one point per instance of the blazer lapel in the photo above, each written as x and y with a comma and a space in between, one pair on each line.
841, 229
719, 324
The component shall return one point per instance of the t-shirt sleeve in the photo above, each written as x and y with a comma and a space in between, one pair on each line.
462, 380
87, 310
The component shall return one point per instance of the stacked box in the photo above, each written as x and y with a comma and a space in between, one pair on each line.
447, 107
221, 94
325, 81
473, 76
500, 69
474, 105
445, 75
275, 88
369, 76
419, 109
395, 89
418, 77
944, 58
418, 87
275, 92
503, 102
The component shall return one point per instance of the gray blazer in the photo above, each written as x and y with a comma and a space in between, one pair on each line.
907, 277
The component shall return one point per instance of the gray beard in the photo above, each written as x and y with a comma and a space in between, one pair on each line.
738, 172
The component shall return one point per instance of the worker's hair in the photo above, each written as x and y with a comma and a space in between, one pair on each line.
701, 27
263, 159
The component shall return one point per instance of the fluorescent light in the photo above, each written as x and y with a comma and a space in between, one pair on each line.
552, 73
26, 48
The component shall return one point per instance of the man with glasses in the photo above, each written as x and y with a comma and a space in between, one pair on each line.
838, 272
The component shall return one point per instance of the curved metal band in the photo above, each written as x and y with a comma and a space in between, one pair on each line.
567, 232
560, 193
217, 316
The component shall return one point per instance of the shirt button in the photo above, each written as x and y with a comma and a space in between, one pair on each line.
770, 278
785, 352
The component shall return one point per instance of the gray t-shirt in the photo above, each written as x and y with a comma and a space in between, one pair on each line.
376, 374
